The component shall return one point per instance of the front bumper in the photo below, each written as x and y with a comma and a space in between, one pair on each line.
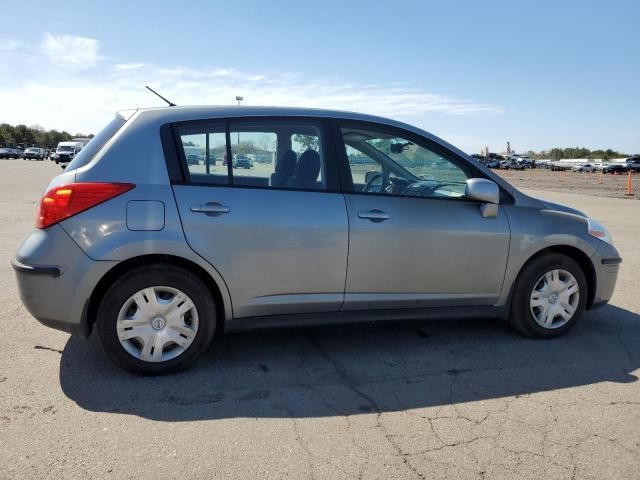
56, 279
606, 263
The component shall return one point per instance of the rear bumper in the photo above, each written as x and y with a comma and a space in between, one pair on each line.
35, 269
56, 278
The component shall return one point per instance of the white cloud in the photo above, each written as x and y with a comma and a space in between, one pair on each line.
9, 44
129, 66
86, 100
67, 50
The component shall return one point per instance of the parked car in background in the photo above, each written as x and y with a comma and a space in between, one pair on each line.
490, 161
10, 153
34, 153
587, 167
192, 154
242, 161
495, 156
512, 165
614, 168
559, 166
156, 255
633, 166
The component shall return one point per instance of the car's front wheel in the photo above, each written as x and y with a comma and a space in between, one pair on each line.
156, 320
549, 297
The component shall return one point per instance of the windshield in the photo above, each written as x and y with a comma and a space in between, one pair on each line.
65, 148
96, 143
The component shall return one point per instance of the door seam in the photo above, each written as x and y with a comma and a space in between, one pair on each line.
346, 270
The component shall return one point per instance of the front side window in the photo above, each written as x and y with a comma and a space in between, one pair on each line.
384, 163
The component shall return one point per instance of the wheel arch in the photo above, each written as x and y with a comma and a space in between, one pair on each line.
581, 258
222, 304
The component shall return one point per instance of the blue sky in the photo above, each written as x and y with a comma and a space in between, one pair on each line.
540, 74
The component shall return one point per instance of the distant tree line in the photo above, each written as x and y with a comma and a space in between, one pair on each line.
35, 135
576, 152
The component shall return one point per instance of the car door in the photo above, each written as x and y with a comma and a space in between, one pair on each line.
414, 241
278, 236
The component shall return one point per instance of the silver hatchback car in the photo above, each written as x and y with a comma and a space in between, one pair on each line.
343, 217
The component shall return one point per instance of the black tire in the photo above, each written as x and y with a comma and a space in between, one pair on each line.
136, 280
521, 317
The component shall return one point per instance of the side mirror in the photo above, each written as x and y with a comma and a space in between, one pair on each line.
485, 191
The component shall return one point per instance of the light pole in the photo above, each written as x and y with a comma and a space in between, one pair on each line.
239, 100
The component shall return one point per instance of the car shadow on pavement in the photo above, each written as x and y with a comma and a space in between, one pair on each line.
363, 368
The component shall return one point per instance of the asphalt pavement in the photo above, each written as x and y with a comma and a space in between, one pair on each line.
438, 399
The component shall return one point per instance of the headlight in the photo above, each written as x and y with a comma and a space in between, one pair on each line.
596, 229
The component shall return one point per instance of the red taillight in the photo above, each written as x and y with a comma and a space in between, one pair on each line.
68, 200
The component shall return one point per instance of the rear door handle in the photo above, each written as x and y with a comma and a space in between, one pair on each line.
212, 209
374, 215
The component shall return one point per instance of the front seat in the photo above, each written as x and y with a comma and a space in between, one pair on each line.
307, 170
284, 169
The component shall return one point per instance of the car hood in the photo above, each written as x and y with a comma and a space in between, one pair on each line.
562, 208
529, 201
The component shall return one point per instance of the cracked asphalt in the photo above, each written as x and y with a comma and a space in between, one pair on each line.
451, 399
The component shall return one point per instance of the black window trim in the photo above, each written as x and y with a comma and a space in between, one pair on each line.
173, 152
346, 183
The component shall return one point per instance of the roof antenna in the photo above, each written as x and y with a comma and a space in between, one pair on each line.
171, 104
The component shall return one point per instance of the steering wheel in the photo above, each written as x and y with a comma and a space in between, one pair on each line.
369, 184
431, 190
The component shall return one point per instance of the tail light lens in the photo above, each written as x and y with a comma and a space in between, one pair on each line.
66, 201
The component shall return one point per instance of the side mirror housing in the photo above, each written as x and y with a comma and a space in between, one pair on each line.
486, 192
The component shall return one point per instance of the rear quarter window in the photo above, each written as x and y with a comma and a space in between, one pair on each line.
89, 151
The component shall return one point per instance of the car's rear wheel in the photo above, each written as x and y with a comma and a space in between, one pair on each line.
549, 297
156, 320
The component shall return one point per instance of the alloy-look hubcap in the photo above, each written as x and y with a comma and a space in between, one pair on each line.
554, 298
157, 324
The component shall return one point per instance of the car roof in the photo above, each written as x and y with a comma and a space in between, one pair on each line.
161, 115
194, 112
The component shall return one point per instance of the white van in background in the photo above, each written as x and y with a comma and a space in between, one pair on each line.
67, 151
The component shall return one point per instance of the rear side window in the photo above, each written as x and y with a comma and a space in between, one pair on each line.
275, 154
267, 153
204, 150
89, 151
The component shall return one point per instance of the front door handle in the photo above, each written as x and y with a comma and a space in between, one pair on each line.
374, 215
212, 209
